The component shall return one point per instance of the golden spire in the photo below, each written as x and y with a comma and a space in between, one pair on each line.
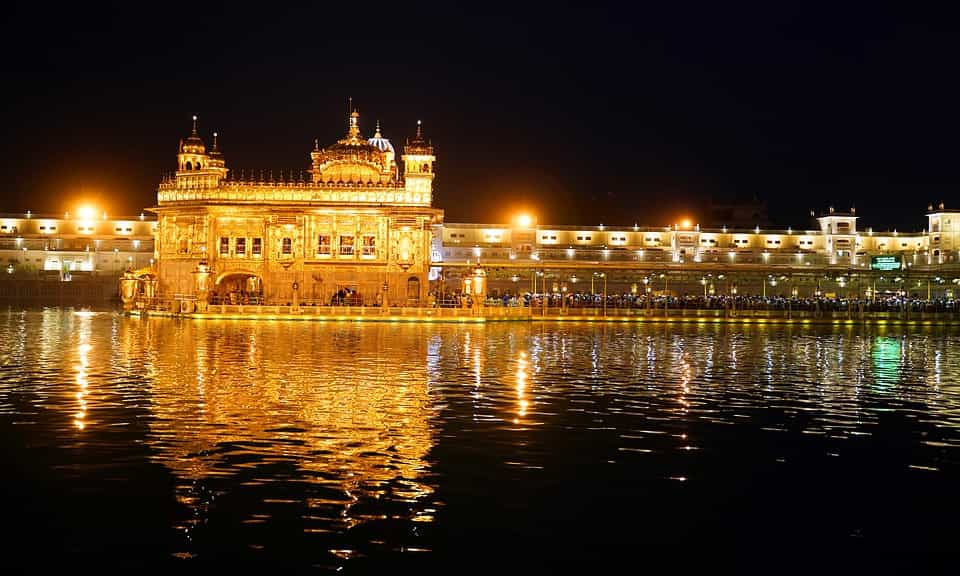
377, 133
354, 133
194, 133
419, 134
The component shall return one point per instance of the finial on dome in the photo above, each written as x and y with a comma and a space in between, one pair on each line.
194, 125
354, 121
419, 126
377, 133
214, 147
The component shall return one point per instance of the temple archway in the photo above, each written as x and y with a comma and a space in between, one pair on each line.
238, 287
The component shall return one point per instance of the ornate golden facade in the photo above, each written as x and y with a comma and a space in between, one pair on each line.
356, 226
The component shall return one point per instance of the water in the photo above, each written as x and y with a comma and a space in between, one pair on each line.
515, 447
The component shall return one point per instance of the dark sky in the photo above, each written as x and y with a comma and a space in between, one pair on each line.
583, 115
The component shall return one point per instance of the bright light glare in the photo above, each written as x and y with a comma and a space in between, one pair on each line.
524, 220
86, 212
686, 224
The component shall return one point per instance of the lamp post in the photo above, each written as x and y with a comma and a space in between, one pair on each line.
604, 276
666, 296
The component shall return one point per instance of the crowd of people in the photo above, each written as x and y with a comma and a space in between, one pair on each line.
579, 300
711, 302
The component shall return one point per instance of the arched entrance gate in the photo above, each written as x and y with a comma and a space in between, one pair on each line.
237, 288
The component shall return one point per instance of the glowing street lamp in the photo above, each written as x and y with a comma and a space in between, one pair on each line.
86, 213
524, 220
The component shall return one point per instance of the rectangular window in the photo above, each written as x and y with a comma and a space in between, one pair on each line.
224, 245
369, 245
323, 245
241, 246
287, 246
346, 245
257, 246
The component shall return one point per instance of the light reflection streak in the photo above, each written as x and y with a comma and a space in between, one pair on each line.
522, 403
83, 360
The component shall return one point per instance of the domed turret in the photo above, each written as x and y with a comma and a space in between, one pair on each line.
193, 152
193, 144
418, 161
417, 145
193, 160
216, 161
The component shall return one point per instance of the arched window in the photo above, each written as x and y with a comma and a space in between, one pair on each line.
189, 166
198, 166
426, 168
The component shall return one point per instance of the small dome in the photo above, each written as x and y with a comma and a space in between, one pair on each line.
418, 145
193, 144
380, 142
214, 149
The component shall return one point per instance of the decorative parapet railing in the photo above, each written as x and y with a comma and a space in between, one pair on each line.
640, 258
230, 191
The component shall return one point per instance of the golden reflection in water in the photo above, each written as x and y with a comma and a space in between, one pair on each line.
83, 361
522, 403
342, 404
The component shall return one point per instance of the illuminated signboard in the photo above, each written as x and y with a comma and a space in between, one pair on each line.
884, 262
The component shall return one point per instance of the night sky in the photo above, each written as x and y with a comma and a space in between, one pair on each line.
581, 115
